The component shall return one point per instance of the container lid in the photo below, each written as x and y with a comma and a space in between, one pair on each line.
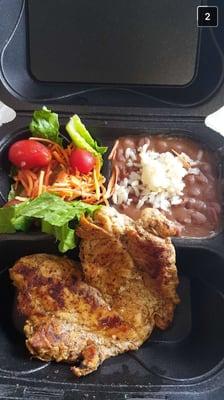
124, 53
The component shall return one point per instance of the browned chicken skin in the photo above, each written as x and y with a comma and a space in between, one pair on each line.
126, 287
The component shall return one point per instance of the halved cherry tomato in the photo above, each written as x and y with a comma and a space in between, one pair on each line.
82, 160
29, 154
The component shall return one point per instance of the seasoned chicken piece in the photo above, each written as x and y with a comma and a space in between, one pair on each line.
153, 221
67, 320
125, 287
133, 269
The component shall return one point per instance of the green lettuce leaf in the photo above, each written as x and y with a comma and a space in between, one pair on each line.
58, 218
64, 235
82, 138
12, 193
21, 223
6, 216
45, 124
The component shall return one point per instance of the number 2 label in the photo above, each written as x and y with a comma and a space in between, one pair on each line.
207, 16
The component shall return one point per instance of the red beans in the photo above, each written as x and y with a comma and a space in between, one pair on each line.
194, 191
181, 214
129, 143
29, 154
199, 211
200, 205
187, 220
195, 204
190, 179
209, 192
190, 203
161, 146
213, 215
120, 154
178, 147
216, 206
201, 178
198, 217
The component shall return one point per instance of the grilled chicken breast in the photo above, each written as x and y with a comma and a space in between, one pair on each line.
124, 287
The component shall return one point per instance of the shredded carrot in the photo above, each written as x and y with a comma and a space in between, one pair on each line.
31, 174
98, 166
65, 154
96, 183
35, 189
69, 149
23, 182
30, 183
186, 164
112, 182
48, 174
41, 180
58, 157
113, 151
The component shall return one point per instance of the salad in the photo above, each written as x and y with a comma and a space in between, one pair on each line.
54, 182
46, 163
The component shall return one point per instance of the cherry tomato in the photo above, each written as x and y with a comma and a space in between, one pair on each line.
82, 160
29, 154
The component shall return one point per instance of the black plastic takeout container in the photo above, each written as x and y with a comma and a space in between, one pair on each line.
186, 356
187, 360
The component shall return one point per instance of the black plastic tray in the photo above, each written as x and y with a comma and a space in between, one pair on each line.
184, 362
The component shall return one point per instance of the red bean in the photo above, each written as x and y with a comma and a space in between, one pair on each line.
201, 178
187, 220
120, 154
121, 167
198, 217
123, 172
161, 146
196, 204
194, 191
209, 193
178, 147
190, 203
190, 179
181, 213
129, 143
216, 206
200, 205
213, 216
